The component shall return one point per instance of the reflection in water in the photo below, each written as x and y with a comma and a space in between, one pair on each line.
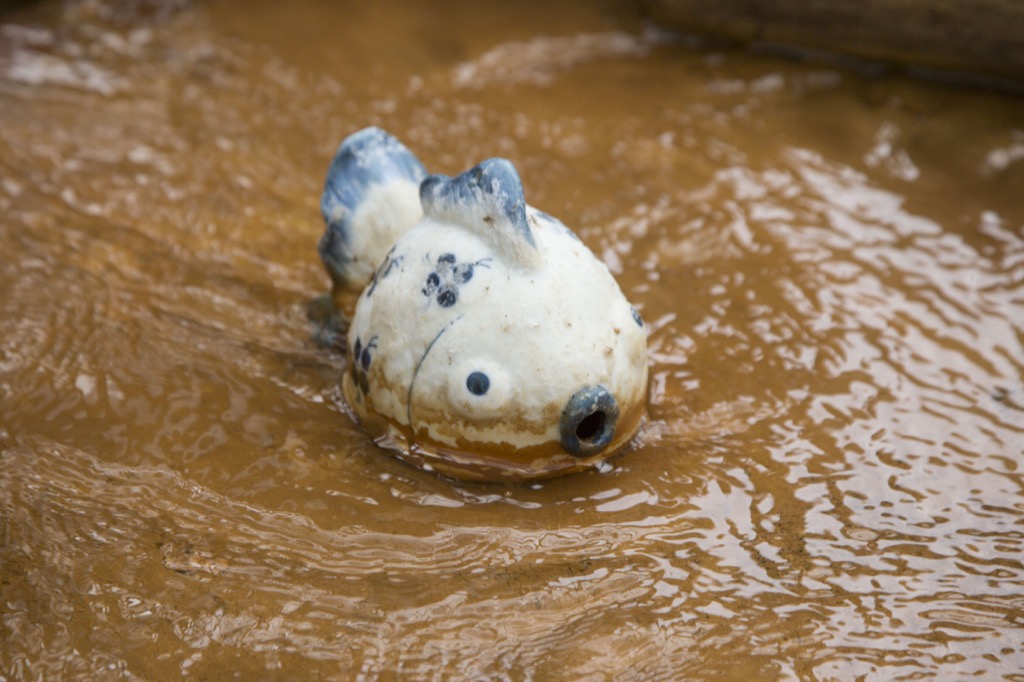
831, 267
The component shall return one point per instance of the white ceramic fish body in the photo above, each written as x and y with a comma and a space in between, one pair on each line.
490, 343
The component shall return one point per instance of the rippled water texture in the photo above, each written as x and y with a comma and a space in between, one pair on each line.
831, 264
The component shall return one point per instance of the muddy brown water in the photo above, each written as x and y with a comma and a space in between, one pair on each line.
831, 264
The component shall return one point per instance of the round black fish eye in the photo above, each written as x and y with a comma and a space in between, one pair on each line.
478, 383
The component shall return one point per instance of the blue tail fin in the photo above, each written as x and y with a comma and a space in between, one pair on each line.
366, 160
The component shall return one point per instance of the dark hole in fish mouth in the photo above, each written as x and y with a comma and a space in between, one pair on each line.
591, 426
587, 425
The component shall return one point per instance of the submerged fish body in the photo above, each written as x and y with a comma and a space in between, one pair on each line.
489, 342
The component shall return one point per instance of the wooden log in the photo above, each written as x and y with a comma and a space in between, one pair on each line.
978, 36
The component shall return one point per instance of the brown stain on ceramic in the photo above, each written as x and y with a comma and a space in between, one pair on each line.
474, 461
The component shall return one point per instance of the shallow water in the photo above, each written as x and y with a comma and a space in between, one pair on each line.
831, 264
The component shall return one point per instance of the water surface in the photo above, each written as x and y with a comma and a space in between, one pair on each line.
831, 265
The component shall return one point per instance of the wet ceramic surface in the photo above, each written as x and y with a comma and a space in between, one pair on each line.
489, 343
830, 265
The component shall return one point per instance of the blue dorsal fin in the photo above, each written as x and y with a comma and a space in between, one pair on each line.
488, 200
365, 161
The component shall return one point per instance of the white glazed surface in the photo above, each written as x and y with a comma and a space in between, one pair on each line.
539, 333
488, 341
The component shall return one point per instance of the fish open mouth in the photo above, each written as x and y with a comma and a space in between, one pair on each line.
588, 420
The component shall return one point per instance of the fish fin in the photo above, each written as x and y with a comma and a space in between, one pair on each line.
370, 198
488, 200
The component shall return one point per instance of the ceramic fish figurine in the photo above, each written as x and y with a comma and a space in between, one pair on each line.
488, 341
